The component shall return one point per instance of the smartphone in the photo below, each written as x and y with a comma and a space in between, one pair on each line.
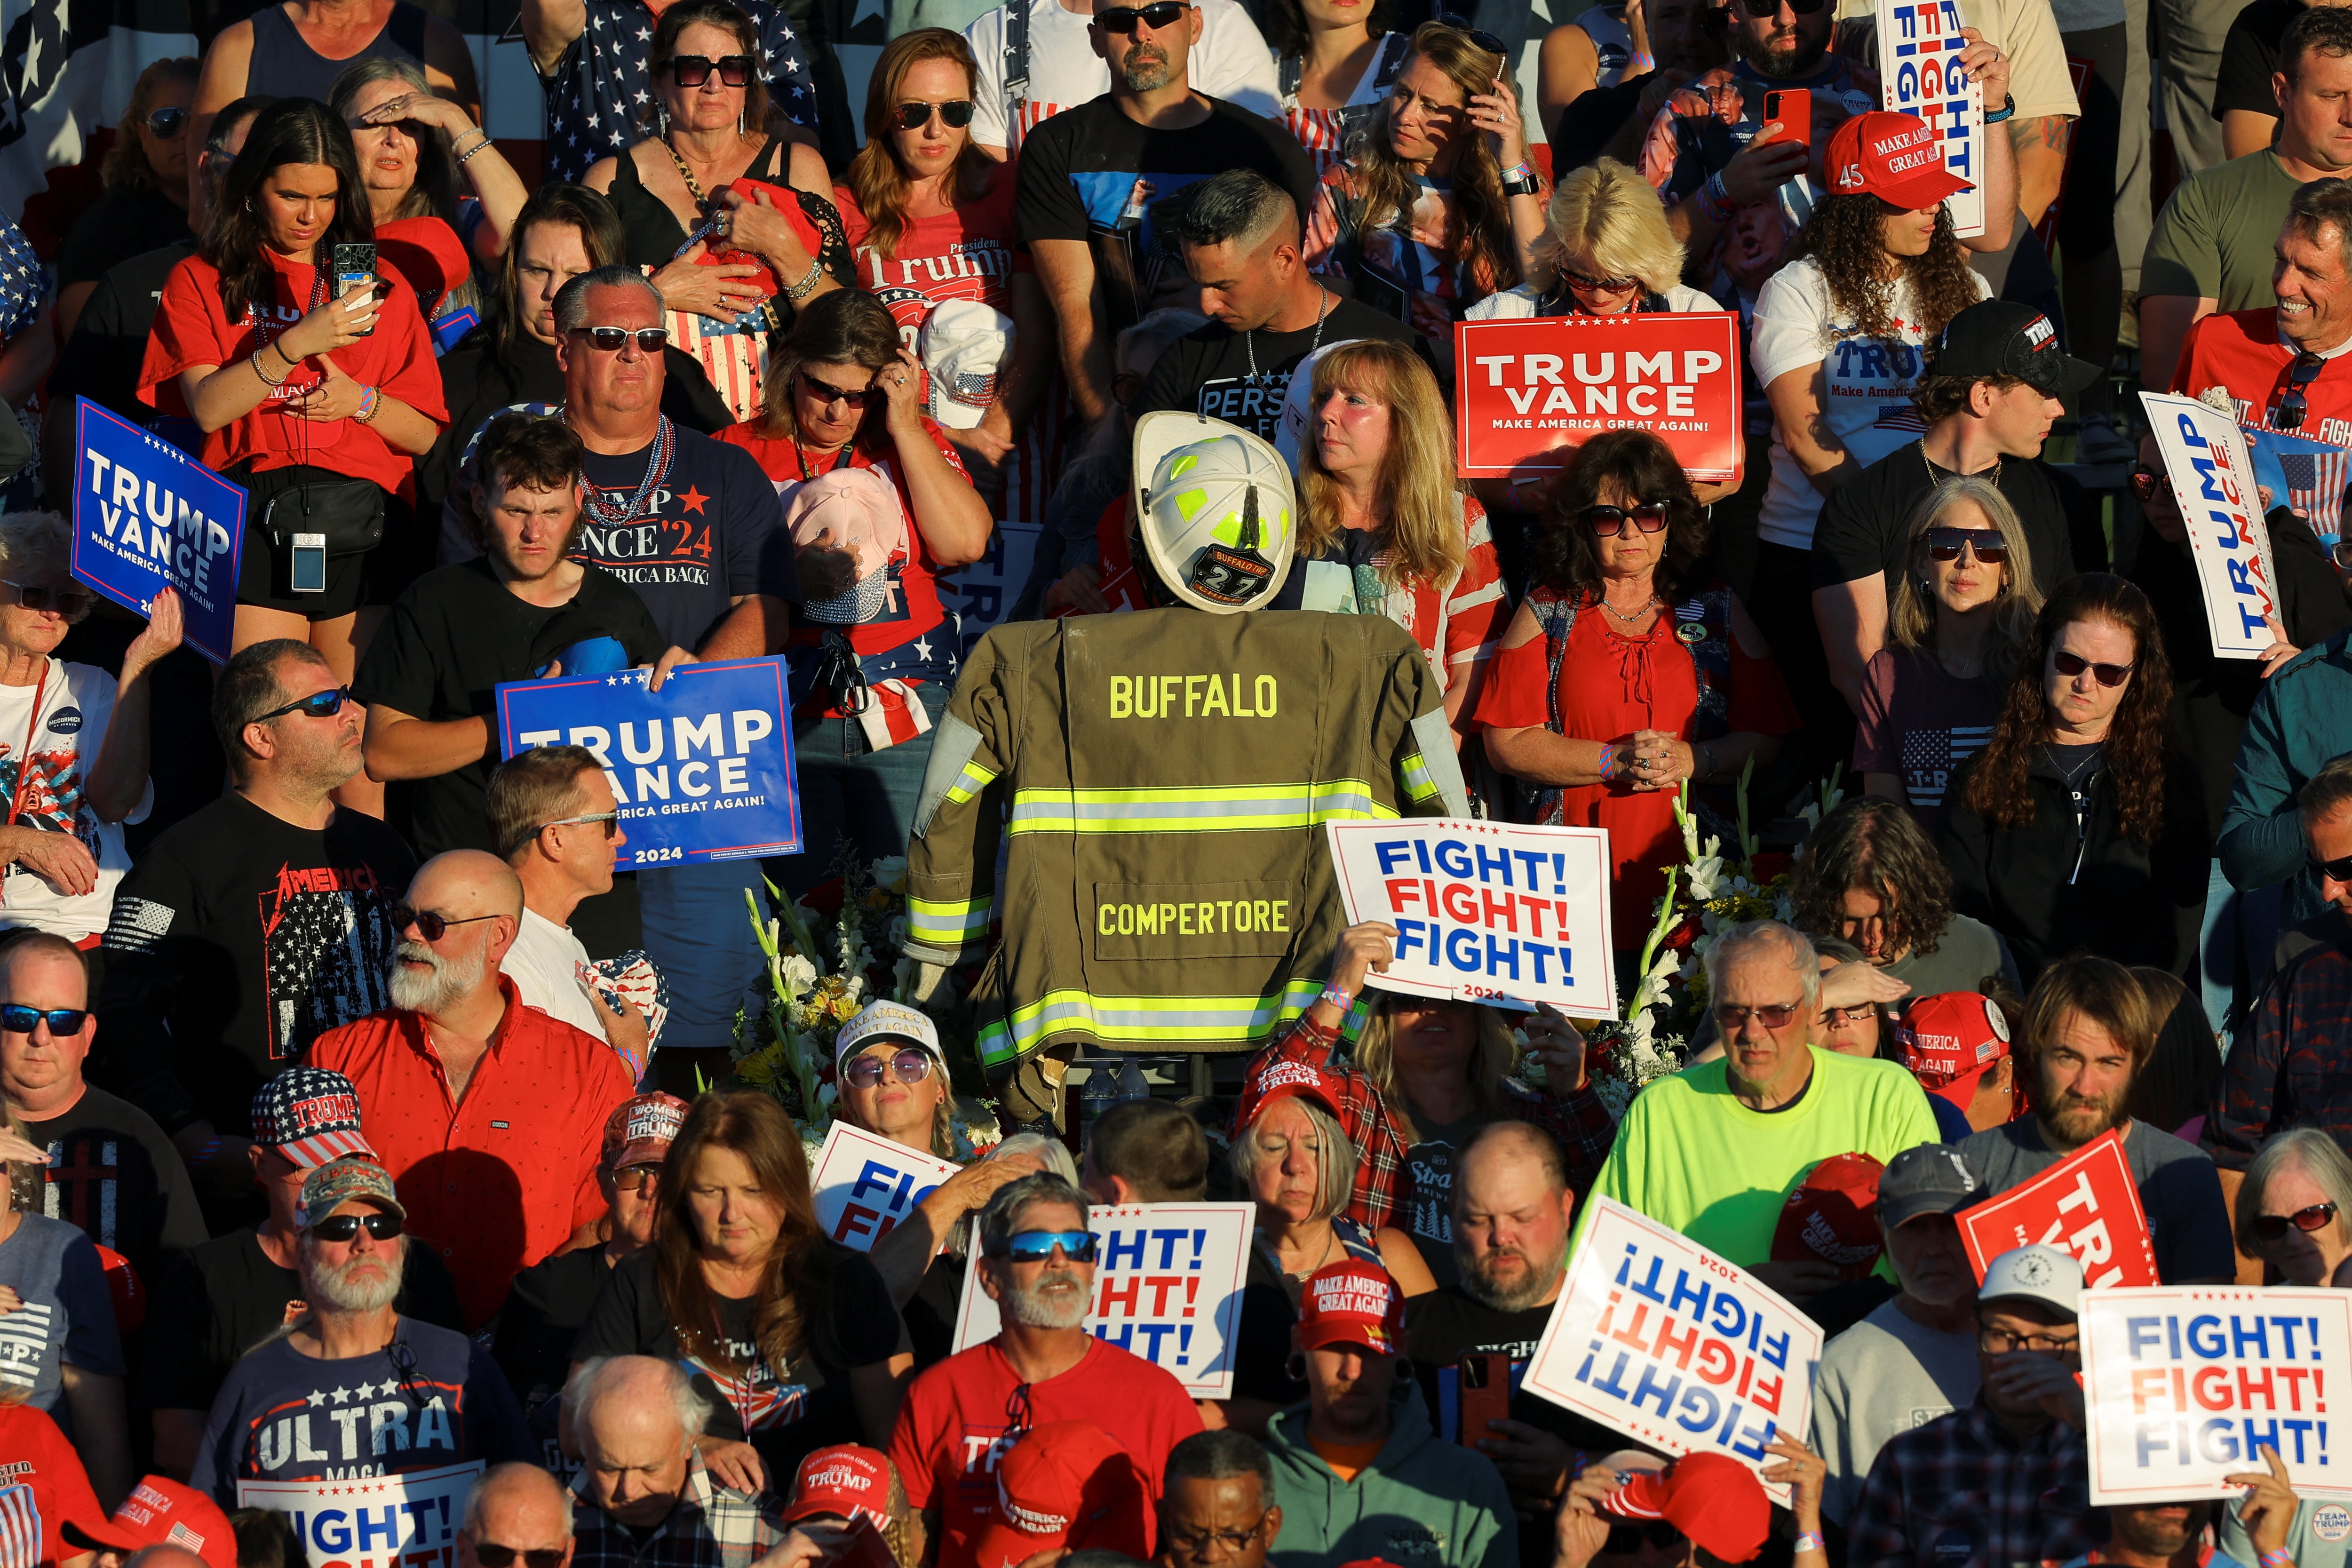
1792, 106
1486, 1384
308, 564
354, 265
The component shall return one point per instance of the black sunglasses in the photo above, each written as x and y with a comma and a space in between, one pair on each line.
1609, 521
343, 1226
1760, 10
1461, 24
693, 70
2338, 870
909, 1065
490, 1554
825, 392
167, 121
2271, 1227
15, 1018
432, 927
318, 705
2300, 375
2144, 480
1604, 285
956, 112
1626, 1539
611, 339
1157, 14
68, 602
1946, 544
2072, 665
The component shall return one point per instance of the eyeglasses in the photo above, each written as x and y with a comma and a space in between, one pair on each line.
1609, 521
2336, 871
1760, 10
430, 926
693, 70
168, 120
2000, 1342
1946, 545
1575, 280
318, 705
2072, 665
2144, 480
15, 1018
2271, 1227
909, 1065
2294, 405
490, 1554
1731, 1019
611, 819
1037, 1246
1862, 1014
610, 338
956, 113
629, 1178
64, 601
1235, 1542
1121, 19
825, 392
1461, 24
343, 1226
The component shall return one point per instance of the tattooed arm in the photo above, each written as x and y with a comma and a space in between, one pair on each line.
2040, 144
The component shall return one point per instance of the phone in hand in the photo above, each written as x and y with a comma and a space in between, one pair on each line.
354, 265
1794, 107
1485, 1380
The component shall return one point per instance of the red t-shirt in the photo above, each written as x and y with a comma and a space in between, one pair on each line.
191, 328
953, 1431
2240, 353
970, 253
42, 1485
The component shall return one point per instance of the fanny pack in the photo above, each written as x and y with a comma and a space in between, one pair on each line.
305, 499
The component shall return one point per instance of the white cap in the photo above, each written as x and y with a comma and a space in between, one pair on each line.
1297, 418
885, 1021
2034, 1272
1215, 510
962, 345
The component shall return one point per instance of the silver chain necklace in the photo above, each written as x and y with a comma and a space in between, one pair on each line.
1321, 311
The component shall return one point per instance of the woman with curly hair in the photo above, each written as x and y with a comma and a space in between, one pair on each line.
2080, 828
1870, 876
1437, 205
1625, 673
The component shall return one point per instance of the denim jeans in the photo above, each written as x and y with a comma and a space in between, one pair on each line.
699, 934
853, 794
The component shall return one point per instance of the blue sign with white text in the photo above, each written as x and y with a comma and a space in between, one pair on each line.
702, 769
145, 515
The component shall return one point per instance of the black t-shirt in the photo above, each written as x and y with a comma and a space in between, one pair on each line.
227, 1297
1207, 371
453, 635
102, 360
930, 1315
1261, 1346
2249, 56
540, 1319
235, 941
113, 1173
1592, 120
1426, 1193
787, 1416
710, 533
120, 224
1862, 528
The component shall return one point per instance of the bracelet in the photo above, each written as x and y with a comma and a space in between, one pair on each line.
2008, 108
265, 374
371, 403
1713, 199
2284, 1557
798, 291
290, 361
1336, 997
475, 148
1809, 1541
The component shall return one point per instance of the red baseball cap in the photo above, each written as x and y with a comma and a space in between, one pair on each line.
1351, 1303
1713, 1499
161, 1512
1892, 156
1832, 1217
1064, 1483
848, 1478
1301, 1078
1952, 1039
122, 1284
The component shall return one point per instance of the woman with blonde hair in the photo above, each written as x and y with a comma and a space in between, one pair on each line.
1437, 205
146, 180
1957, 618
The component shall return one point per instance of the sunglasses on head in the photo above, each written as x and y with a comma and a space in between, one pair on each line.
956, 113
64, 601
693, 70
2295, 405
343, 1226
1160, 14
1461, 24
432, 927
167, 121
2271, 1227
15, 1018
2072, 665
1609, 521
825, 392
490, 1554
1946, 545
318, 705
1037, 1246
629, 1178
909, 1066
610, 338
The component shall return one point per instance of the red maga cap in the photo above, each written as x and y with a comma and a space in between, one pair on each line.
1713, 1499
1950, 1040
848, 1478
1892, 156
161, 1512
1351, 1303
1064, 1483
1832, 1217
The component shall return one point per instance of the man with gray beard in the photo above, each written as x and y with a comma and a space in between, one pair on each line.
351, 1388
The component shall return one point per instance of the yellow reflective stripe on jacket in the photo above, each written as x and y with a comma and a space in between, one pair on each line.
1201, 808
970, 782
951, 925
1141, 1021
1413, 773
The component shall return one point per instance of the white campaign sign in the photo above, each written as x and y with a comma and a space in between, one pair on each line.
1168, 1287
2184, 1386
865, 1185
1485, 911
2212, 477
374, 1521
1919, 46
1657, 1337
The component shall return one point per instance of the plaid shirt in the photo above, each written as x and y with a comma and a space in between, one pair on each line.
1962, 1491
1577, 1122
711, 1527
2287, 1068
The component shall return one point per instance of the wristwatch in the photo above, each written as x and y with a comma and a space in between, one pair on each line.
1521, 181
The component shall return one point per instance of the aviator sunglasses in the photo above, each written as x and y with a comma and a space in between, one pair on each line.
956, 112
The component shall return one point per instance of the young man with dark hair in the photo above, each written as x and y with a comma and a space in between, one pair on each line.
1145, 1152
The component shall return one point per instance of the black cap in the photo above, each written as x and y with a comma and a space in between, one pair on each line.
1999, 337
1932, 1178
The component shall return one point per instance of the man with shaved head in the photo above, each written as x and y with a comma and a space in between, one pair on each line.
489, 1113
516, 1510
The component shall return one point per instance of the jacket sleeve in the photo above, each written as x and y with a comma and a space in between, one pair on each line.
1874, 1536
1963, 839
2254, 1079
2262, 830
959, 819
1428, 769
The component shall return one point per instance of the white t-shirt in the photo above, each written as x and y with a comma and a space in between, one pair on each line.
1230, 62
1520, 303
76, 701
1867, 383
541, 965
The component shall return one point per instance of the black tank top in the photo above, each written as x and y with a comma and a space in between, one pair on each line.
284, 64
650, 230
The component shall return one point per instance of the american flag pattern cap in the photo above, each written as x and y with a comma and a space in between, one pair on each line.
310, 1115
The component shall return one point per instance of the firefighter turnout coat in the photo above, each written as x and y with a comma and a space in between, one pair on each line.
1163, 777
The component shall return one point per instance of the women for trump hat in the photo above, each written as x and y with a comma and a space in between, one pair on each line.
1896, 157
1351, 1303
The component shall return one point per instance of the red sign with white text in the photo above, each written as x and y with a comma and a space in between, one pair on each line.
1527, 393
2087, 1203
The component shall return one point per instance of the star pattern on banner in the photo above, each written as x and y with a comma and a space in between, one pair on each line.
602, 101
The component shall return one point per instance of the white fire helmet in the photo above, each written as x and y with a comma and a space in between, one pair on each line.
1215, 510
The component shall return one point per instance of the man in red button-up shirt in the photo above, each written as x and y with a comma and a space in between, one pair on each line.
489, 1114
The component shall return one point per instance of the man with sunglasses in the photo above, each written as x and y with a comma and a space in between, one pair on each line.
516, 1512
352, 1387
1216, 1508
1037, 1264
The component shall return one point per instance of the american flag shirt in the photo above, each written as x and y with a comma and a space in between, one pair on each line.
1920, 725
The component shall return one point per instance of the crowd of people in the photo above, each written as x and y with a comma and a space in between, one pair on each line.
367, 1100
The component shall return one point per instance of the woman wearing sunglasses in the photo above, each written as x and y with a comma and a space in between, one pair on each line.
721, 255
2081, 828
2293, 1210
1959, 616
845, 394
929, 215
1625, 673
146, 180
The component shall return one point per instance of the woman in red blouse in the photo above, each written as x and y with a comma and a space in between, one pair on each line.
1620, 676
